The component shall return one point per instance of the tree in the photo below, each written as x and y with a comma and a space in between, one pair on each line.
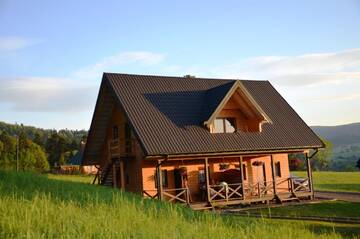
358, 164
322, 159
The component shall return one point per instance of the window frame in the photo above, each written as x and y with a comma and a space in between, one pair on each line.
278, 169
224, 128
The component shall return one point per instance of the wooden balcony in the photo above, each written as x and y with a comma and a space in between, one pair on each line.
120, 148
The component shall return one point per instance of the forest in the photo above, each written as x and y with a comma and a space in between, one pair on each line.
28, 148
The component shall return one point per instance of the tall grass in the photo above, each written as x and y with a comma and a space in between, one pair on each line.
34, 206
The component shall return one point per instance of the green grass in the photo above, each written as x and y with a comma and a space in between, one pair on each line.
73, 178
323, 209
35, 206
335, 181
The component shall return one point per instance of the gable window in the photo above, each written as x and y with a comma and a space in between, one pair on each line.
224, 125
115, 132
277, 169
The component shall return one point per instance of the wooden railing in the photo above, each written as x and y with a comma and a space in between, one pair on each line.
153, 194
225, 192
259, 189
119, 148
172, 195
300, 186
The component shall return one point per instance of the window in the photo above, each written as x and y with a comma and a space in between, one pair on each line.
224, 125
277, 169
115, 132
164, 180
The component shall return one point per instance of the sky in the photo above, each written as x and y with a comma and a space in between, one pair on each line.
53, 53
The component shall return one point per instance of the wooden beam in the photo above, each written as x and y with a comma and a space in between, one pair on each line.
273, 174
206, 164
309, 174
159, 178
242, 177
122, 174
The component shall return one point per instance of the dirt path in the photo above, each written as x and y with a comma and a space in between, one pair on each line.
344, 196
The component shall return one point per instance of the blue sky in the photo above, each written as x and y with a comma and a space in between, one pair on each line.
52, 53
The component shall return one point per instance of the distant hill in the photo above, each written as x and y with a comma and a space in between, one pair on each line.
346, 141
340, 135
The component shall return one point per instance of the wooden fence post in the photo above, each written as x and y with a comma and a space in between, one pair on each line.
273, 174
309, 173
206, 163
242, 177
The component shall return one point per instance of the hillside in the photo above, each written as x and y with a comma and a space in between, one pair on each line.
50, 208
340, 135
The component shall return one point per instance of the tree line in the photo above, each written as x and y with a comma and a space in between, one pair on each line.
30, 148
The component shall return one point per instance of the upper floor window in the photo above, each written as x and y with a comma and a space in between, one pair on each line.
224, 125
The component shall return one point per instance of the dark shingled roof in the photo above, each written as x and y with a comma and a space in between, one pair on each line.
167, 115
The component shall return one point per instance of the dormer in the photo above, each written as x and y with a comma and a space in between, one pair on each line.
237, 111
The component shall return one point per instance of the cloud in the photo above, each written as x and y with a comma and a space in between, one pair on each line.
117, 62
336, 98
301, 70
46, 94
68, 94
16, 43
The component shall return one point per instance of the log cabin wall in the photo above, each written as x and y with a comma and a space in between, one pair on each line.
132, 165
255, 173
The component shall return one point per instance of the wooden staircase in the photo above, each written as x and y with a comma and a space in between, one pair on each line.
106, 174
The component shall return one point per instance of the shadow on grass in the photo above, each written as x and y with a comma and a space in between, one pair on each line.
345, 230
347, 187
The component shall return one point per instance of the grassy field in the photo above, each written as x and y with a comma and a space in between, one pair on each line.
323, 209
35, 206
335, 181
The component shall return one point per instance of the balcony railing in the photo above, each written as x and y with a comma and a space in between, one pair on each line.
118, 148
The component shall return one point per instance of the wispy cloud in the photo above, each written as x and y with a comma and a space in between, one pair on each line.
46, 94
12, 43
68, 94
336, 98
118, 61
301, 70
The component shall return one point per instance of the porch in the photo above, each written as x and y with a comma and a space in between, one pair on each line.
241, 186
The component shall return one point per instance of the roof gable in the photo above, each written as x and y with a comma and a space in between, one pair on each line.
244, 102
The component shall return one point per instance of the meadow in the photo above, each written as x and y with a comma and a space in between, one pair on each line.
335, 181
47, 206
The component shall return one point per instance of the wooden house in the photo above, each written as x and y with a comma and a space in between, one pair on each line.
198, 141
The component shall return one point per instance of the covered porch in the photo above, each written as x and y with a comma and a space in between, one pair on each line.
233, 180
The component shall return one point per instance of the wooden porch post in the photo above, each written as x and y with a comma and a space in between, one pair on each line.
114, 178
207, 180
159, 180
242, 176
122, 176
309, 174
273, 174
